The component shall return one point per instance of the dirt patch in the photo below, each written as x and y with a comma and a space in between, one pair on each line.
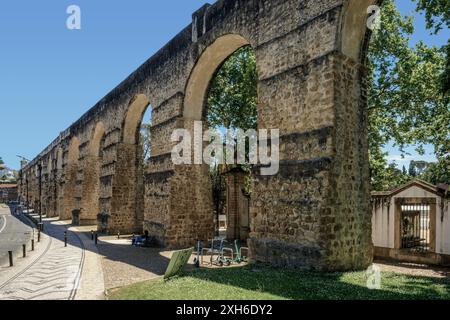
413, 269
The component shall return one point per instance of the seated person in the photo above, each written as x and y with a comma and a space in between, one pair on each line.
144, 240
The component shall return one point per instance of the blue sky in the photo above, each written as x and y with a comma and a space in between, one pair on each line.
50, 76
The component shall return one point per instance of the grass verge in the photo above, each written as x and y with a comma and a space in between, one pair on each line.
274, 284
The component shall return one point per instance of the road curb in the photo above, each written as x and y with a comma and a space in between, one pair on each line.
18, 253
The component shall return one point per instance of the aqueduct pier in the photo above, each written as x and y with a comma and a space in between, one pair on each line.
313, 214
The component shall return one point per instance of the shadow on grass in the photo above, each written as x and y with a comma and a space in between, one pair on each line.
298, 285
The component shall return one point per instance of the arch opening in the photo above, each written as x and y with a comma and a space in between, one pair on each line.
127, 215
354, 31
207, 65
222, 93
90, 204
70, 193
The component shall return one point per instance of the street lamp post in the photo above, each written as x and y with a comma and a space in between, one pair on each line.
28, 201
40, 192
23, 162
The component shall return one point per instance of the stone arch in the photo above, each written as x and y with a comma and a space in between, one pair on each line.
38, 172
133, 118
59, 165
49, 164
192, 199
59, 159
354, 34
74, 151
314, 213
46, 186
97, 136
203, 72
52, 188
91, 182
70, 183
126, 214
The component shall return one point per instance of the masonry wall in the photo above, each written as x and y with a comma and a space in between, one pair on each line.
313, 214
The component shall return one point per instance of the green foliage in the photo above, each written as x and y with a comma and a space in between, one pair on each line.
386, 177
145, 141
406, 104
417, 168
406, 101
437, 13
437, 16
233, 97
437, 172
445, 77
232, 104
218, 187
2, 164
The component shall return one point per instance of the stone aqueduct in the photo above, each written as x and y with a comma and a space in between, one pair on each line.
310, 60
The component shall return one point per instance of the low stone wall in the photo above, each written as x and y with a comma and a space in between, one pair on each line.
413, 257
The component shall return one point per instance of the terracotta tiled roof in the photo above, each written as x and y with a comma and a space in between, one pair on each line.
7, 186
416, 182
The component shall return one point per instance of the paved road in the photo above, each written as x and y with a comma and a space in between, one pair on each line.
54, 274
14, 232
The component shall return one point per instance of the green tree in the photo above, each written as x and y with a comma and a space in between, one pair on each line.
437, 172
406, 104
412, 169
232, 104
145, 141
437, 16
437, 13
233, 97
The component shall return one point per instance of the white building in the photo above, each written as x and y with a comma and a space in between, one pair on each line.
8, 173
412, 223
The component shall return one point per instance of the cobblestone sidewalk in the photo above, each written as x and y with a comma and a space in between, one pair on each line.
54, 274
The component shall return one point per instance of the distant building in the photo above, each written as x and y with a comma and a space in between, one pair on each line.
412, 223
7, 174
8, 192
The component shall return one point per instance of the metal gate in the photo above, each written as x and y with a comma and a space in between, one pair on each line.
415, 227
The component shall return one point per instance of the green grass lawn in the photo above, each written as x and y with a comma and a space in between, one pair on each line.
272, 284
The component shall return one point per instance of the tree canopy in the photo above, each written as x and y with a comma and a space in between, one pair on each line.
233, 98
406, 102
